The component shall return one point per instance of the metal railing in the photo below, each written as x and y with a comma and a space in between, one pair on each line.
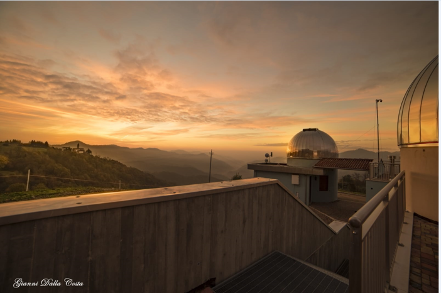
384, 171
375, 231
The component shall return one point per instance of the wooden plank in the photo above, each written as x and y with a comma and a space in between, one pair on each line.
194, 242
229, 249
261, 223
242, 210
171, 247
127, 227
297, 227
248, 229
19, 261
161, 232
279, 215
182, 273
139, 224
218, 237
206, 238
64, 237
44, 253
255, 241
97, 252
4, 252
290, 220
113, 250
76, 250
150, 265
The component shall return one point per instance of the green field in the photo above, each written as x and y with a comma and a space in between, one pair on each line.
49, 193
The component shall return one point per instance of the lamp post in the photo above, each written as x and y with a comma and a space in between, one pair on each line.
378, 131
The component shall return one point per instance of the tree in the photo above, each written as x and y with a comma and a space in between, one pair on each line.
89, 151
3, 161
46, 144
236, 177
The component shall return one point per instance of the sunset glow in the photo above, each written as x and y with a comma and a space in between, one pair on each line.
243, 76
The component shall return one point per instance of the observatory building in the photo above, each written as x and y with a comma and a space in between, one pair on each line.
417, 134
311, 171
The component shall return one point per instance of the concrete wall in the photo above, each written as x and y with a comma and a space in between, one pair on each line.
421, 167
325, 196
299, 162
301, 190
373, 187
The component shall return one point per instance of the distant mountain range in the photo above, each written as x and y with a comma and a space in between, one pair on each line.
183, 167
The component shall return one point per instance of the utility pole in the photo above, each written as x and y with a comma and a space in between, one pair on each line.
27, 185
378, 131
209, 173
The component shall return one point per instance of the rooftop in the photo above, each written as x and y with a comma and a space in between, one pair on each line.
278, 273
348, 164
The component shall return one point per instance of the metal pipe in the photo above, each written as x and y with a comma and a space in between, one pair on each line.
378, 130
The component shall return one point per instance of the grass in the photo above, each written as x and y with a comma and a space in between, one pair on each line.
50, 193
352, 192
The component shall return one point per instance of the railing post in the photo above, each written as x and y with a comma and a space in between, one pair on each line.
355, 261
386, 238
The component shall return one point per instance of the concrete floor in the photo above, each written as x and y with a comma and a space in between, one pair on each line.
340, 210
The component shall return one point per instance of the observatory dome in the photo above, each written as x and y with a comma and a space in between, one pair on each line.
418, 115
312, 143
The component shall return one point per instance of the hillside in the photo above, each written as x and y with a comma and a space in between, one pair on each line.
179, 167
50, 167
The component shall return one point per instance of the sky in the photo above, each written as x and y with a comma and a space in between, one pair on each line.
228, 76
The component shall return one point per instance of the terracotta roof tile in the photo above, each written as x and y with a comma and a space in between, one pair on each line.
349, 164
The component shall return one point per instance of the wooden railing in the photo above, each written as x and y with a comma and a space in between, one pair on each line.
375, 231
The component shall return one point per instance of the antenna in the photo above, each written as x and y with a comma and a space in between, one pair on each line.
209, 173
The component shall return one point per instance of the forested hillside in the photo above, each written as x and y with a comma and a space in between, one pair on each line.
54, 168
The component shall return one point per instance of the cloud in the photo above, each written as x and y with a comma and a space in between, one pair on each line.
110, 35
273, 144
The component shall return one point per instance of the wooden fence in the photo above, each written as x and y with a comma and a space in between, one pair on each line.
157, 240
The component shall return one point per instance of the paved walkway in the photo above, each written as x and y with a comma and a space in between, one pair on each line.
424, 257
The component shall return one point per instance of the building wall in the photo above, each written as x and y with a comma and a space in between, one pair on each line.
373, 187
421, 167
301, 190
299, 162
325, 196
173, 243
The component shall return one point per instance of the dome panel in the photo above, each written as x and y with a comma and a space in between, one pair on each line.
429, 117
418, 115
312, 143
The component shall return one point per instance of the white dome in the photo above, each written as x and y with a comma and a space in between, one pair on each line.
312, 143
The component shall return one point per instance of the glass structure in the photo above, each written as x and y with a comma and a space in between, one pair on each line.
418, 115
312, 143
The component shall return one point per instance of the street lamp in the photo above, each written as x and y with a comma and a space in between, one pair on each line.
378, 131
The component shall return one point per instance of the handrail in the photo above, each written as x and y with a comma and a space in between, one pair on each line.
375, 231
362, 214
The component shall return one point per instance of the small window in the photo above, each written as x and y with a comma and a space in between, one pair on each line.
295, 179
323, 183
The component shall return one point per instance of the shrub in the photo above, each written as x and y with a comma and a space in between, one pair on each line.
40, 186
237, 177
16, 187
